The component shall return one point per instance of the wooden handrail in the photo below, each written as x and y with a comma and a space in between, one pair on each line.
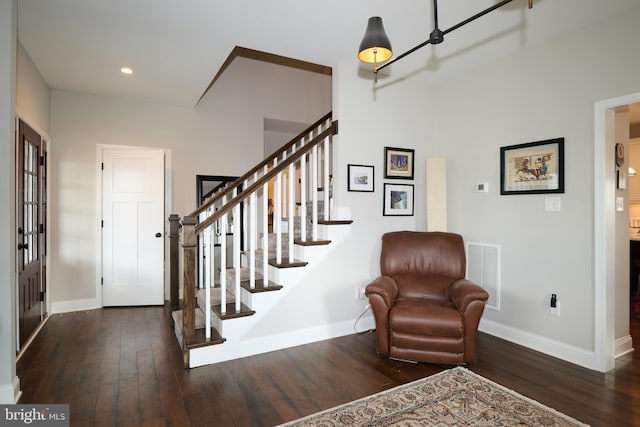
331, 130
260, 166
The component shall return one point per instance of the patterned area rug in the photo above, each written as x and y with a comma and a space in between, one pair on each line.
455, 397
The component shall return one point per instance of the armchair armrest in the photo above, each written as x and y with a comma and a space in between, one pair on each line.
382, 293
463, 292
385, 287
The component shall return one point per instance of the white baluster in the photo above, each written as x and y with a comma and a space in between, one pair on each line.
303, 196
245, 219
210, 271
277, 216
265, 232
314, 193
326, 185
291, 197
236, 254
223, 263
253, 225
201, 259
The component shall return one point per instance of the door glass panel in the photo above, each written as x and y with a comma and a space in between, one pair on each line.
30, 204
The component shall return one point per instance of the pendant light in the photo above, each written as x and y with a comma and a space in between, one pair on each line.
375, 46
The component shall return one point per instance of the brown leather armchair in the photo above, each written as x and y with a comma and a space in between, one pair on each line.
424, 308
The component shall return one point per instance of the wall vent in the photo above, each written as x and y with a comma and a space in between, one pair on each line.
483, 268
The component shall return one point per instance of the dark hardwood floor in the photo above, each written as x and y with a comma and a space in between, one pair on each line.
123, 367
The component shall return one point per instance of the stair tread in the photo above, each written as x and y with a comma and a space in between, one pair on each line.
231, 312
311, 242
284, 263
200, 339
335, 222
259, 286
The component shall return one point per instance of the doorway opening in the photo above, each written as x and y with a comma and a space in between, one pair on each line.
604, 233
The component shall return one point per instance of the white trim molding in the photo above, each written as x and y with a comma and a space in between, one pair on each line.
560, 350
623, 346
10, 393
75, 305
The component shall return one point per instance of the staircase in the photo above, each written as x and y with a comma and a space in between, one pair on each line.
228, 283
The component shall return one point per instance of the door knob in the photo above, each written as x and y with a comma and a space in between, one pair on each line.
158, 234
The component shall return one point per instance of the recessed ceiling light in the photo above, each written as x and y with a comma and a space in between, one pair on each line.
126, 70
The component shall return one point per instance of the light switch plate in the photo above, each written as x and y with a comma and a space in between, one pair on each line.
619, 204
552, 204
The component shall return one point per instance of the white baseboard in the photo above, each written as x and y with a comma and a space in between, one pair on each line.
74, 305
560, 350
10, 393
623, 346
16, 390
233, 349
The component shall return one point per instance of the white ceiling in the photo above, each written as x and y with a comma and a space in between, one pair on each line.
176, 46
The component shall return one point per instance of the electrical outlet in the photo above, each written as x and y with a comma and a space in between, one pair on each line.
555, 310
360, 292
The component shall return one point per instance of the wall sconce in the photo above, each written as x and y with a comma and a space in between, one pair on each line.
375, 47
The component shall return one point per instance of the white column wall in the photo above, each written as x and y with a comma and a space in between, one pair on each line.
9, 383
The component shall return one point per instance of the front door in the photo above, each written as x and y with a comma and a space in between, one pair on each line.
132, 227
31, 230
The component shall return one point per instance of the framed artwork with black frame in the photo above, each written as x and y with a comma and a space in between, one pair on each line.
532, 168
360, 178
398, 163
398, 200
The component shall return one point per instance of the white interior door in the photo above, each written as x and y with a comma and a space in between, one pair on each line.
132, 230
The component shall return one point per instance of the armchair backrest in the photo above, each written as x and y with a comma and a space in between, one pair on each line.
408, 256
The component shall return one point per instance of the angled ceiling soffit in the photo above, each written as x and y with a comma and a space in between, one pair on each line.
257, 55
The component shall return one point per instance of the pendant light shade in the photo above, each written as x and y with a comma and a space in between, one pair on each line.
375, 45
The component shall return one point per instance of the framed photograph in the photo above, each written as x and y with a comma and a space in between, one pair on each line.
398, 163
360, 178
398, 200
532, 168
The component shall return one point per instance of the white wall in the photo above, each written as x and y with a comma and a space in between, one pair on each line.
32, 94
223, 135
542, 93
9, 384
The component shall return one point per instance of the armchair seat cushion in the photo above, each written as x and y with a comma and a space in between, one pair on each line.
426, 317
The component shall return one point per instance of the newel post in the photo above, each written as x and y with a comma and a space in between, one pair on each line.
174, 262
189, 244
